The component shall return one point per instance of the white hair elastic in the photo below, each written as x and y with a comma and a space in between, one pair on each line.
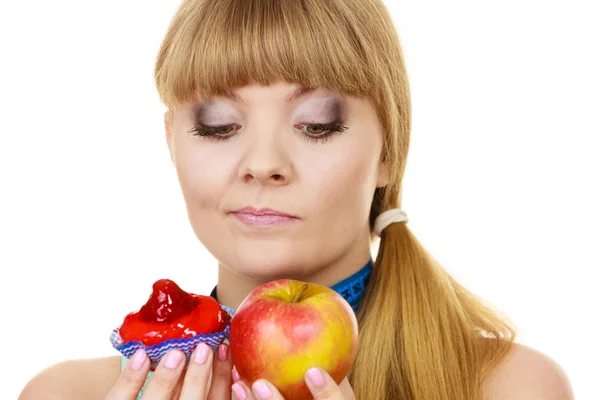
389, 217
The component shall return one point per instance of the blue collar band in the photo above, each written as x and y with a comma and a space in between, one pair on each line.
352, 288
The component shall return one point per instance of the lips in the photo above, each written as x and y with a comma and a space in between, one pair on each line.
263, 212
263, 217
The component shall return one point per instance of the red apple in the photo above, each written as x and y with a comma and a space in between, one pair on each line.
284, 327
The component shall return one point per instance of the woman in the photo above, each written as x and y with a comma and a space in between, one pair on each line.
301, 108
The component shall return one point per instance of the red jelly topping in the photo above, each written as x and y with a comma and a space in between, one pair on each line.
172, 313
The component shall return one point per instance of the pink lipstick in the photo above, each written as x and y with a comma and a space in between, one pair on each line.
264, 217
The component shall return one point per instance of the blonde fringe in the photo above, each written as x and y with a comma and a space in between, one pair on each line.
423, 336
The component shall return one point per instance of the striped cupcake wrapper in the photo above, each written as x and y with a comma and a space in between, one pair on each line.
157, 351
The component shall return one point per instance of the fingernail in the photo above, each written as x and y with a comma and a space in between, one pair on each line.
174, 358
223, 349
201, 353
235, 375
137, 360
239, 391
315, 376
262, 390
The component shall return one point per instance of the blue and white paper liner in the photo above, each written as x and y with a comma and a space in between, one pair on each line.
187, 345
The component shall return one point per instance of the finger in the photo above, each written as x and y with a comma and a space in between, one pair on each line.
178, 386
195, 382
220, 387
322, 386
346, 390
132, 378
239, 388
264, 389
235, 375
164, 380
241, 391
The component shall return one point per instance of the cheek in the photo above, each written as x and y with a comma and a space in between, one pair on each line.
202, 177
343, 180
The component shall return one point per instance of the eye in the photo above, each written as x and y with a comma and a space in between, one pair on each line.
316, 129
220, 132
321, 132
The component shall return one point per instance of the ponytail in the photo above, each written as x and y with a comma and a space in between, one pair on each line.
422, 335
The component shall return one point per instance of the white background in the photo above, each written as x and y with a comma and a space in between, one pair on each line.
501, 186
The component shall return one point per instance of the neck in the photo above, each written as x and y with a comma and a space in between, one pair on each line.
233, 288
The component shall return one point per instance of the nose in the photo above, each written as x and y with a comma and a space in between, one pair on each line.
266, 161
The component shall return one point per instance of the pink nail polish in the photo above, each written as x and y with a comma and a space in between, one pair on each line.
201, 353
174, 358
315, 376
223, 350
235, 375
239, 391
262, 390
137, 360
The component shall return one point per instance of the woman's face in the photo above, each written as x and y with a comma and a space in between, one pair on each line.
272, 152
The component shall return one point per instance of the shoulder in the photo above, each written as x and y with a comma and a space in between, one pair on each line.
528, 374
74, 379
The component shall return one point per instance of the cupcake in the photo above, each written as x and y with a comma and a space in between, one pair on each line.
172, 319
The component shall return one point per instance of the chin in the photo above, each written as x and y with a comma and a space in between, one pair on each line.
269, 262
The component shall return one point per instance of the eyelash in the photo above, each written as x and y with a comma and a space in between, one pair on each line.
212, 132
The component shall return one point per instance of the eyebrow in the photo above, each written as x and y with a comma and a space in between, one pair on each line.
299, 92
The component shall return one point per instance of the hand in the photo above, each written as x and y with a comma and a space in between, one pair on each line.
320, 384
172, 380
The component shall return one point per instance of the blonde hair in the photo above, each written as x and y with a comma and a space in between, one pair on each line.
423, 336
